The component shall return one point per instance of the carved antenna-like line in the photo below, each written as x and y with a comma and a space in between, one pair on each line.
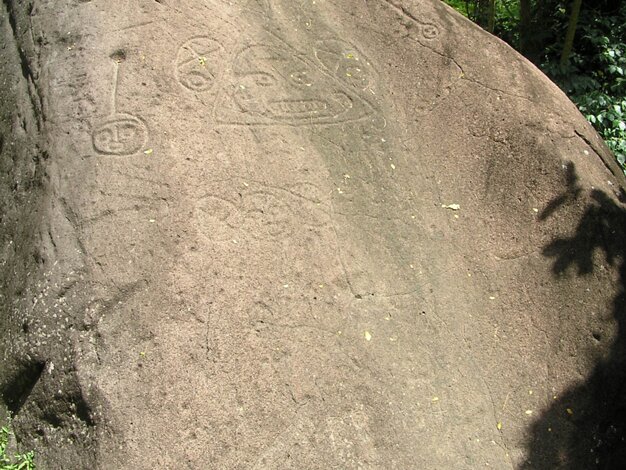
116, 68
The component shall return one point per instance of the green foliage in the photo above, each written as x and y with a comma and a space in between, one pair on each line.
18, 462
507, 21
459, 5
507, 16
595, 76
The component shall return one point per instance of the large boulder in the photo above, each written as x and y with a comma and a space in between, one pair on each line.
301, 234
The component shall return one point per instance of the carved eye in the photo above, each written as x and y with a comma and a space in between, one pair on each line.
263, 79
197, 80
119, 135
300, 78
104, 136
354, 75
127, 131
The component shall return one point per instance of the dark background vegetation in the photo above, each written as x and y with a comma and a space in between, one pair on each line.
580, 45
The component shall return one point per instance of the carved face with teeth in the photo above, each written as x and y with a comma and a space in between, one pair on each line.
273, 83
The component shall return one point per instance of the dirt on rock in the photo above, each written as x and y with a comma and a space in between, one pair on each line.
315, 234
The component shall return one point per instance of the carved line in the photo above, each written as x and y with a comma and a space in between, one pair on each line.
429, 31
115, 82
119, 134
253, 215
222, 219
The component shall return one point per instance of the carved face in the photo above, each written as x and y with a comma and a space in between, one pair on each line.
345, 63
121, 134
272, 82
198, 62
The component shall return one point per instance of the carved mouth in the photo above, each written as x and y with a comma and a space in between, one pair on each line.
298, 107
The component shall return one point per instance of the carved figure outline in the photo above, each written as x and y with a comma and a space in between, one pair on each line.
259, 214
198, 63
119, 133
429, 31
272, 84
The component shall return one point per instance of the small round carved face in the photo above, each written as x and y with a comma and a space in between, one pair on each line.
198, 62
429, 31
274, 83
121, 134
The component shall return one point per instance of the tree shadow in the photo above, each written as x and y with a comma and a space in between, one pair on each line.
585, 428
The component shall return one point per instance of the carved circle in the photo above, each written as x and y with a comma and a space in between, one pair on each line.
198, 63
430, 31
120, 134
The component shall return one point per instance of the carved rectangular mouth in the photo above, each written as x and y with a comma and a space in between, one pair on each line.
298, 107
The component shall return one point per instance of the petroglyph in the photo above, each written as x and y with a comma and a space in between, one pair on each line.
119, 133
257, 212
271, 84
260, 215
416, 28
345, 63
342, 432
198, 63
429, 30
420, 31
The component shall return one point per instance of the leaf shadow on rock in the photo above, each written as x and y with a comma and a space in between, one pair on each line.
585, 427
